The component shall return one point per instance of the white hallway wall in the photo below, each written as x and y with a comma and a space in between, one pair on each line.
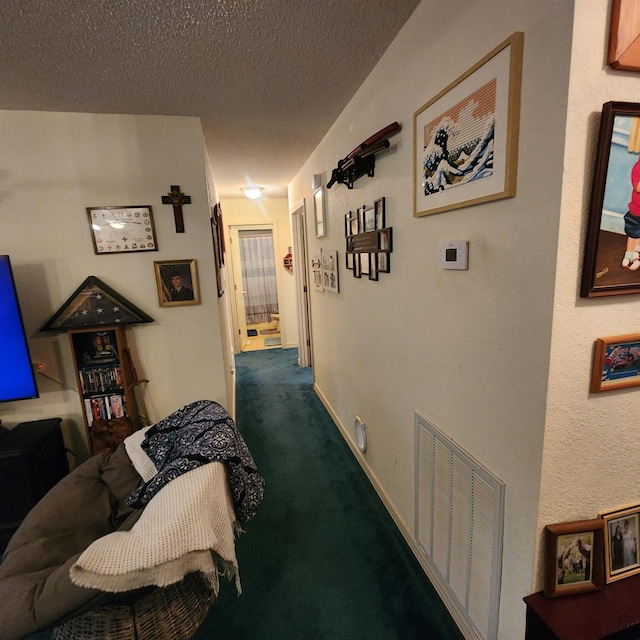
53, 166
468, 350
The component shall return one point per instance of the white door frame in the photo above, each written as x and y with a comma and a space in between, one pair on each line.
300, 272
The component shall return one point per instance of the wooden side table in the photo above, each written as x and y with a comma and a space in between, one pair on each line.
613, 613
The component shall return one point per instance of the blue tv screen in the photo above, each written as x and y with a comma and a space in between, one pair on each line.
17, 381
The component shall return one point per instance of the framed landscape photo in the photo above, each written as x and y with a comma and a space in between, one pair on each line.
177, 283
122, 229
573, 557
612, 249
616, 363
466, 137
621, 542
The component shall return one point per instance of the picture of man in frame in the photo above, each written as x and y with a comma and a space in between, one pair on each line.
176, 281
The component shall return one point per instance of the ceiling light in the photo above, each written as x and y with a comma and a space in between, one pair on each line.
252, 193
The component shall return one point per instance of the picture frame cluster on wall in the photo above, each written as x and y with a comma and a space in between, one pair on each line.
368, 241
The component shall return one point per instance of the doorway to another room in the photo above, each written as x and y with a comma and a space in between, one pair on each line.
257, 309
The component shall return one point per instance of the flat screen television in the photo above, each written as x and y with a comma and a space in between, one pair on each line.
17, 380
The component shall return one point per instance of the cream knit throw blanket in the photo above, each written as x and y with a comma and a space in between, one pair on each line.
189, 525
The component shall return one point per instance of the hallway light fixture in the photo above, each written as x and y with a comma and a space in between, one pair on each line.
253, 193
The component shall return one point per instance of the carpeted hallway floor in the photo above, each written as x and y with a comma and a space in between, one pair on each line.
322, 560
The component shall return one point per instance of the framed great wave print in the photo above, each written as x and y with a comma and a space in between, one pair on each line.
612, 248
466, 137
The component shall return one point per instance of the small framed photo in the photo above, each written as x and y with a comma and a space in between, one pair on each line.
364, 263
357, 265
122, 229
369, 216
616, 363
573, 557
385, 239
621, 542
177, 282
319, 212
330, 271
384, 265
351, 224
378, 206
373, 266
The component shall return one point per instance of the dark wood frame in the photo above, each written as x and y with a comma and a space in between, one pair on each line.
592, 270
553, 534
379, 208
603, 374
217, 234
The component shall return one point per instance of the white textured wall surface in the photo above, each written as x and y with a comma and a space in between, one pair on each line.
469, 350
53, 166
591, 447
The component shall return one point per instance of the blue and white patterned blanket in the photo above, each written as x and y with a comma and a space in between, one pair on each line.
194, 435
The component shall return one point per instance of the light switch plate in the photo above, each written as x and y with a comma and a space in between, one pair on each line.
454, 254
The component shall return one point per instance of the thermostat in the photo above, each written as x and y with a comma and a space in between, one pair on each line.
454, 254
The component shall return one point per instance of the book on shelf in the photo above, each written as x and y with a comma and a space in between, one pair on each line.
104, 407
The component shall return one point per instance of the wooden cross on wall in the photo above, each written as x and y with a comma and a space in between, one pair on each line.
177, 199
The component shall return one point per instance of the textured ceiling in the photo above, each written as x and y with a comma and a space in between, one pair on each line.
267, 77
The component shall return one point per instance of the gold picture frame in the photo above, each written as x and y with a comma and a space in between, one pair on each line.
621, 526
177, 283
481, 110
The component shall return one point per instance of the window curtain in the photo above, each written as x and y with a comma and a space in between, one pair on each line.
258, 276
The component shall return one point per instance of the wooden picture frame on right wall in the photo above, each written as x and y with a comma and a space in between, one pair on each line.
624, 35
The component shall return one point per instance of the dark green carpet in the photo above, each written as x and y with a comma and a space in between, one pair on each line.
322, 560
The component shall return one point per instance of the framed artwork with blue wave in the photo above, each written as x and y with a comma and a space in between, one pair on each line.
466, 137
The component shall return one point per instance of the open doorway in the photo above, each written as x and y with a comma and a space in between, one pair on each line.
257, 309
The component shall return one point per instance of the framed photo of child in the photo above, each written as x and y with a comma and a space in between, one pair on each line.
612, 250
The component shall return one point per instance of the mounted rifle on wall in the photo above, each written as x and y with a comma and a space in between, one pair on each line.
361, 161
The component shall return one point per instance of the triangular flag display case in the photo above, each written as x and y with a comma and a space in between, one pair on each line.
94, 304
95, 317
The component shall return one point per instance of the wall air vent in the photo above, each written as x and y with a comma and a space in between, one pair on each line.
459, 526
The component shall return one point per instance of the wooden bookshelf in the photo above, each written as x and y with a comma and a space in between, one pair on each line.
106, 378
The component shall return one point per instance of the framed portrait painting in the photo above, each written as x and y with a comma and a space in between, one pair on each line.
621, 542
612, 249
466, 137
573, 557
177, 283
